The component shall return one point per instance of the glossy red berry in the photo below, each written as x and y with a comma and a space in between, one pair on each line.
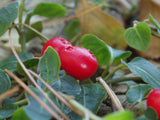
56, 43
78, 62
153, 100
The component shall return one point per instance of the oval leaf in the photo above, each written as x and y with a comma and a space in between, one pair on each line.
143, 68
7, 15
138, 37
49, 65
5, 82
49, 10
98, 47
137, 93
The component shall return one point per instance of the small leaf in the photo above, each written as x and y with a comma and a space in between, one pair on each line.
7, 110
5, 82
20, 115
7, 15
125, 115
97, 2
117, 55
154, 22
10, 63
139, 36
98, 47
137, 93
29, 64
143, 68
49, 10
31, 34
49, 65
151, 114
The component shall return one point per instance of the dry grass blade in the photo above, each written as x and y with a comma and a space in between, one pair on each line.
111, 94
75, 16
46, 107
9, 93
56, 94
34, 82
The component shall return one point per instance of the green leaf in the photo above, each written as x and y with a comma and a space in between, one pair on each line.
151, 114
98, 47
72, 29
31, 34
49, 10
31, 63
7, 110
97, 2
7, 15
154, 22
137, 93
5, 82
67, 85
91, 97
10, 63
34, 110
117, 55
139, 36
19, 115
49, 65
125, 115
143, 68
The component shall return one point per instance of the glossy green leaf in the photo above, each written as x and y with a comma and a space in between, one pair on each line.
154, 22
31, 34
49, 10
72, 29
67, 85
5, 82
7, 15
138, 37
151, 114
10, 63
7, 110
19, 115
146, 70
117, 55
138, 92
49, 65
124, 115
31, 63
98, 47
92, 95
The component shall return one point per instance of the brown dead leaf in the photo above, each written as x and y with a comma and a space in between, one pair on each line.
151, 7
102, 25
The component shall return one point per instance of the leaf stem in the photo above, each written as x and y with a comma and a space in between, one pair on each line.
122, 79
22, 102
21, 8
112, 72
105, 71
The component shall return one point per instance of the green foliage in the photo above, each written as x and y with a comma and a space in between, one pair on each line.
117, 55
98, 47
7, 15
7, 110
31, 63
139, 36
19, 115
49, 10
30, 34
143, 68
49, 65
154, 22
125, 115
10, 62
137, 93
96, 2
5, 82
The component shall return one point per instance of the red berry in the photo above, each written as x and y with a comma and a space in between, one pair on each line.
78, 62
153, 100
56, 43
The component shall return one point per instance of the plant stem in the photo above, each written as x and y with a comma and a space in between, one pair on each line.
141, 105
112, 72
105, 71
21, 8
122, 79
22, 102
